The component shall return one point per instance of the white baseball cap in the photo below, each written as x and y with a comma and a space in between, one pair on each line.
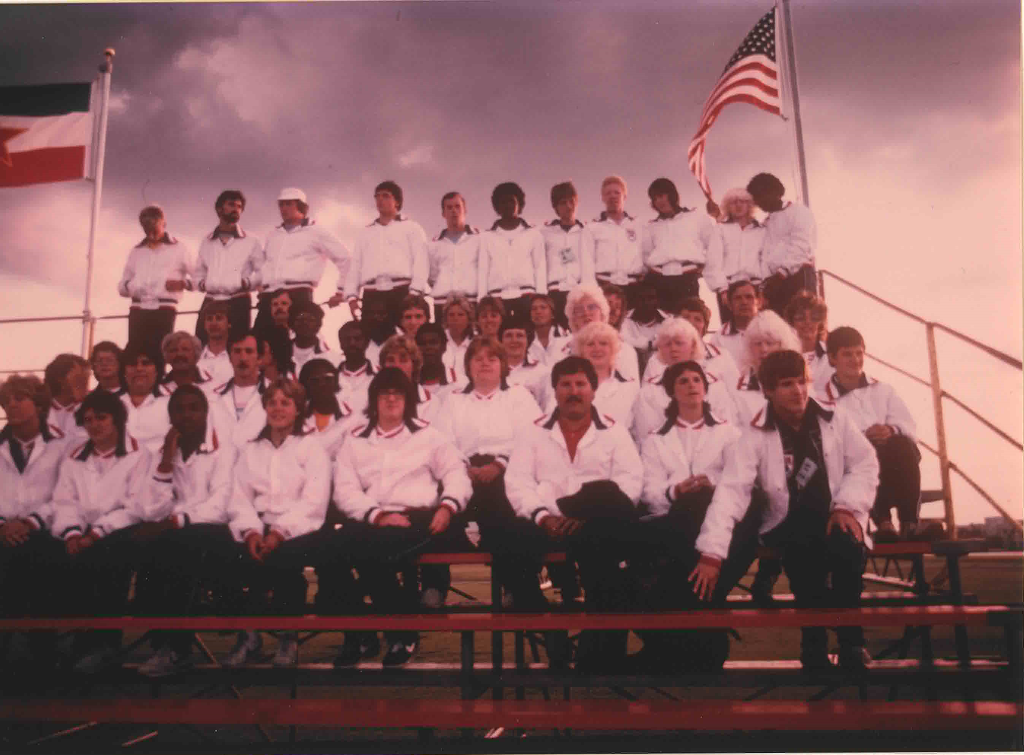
292, 193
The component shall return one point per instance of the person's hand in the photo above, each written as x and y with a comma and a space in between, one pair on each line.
879, 433
335, 300
167, 453
73, 545
14, 532
704, 577
559, 527
254, 542
488, 473
393, 519
354, 308
844, 520
90, 538
270, 543
440, 521
695, 482
174, 286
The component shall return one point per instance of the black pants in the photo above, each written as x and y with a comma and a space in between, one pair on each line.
33, 576
149, 326
899, 480
239, 317
824, 571
779, 290
391, 301
171, 568
263, 318
672, 289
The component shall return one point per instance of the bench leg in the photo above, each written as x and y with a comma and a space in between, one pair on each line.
233, 689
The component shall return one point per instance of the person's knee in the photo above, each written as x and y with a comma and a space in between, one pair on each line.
846, 551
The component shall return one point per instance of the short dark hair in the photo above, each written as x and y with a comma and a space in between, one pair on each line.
187, 390
391, 378
104, 402
610, 289
765, 182
394, 189
491, 302
432, 327
696, 304
318, 363
292, 389
517, 323
213, 306
357, 324
258, 334
281, 348
843, 337
414, 301
573, 366
671, 375
661, 186
737, 285
780, 365
59, 368
305, 306
452, 195
31, 386
564, 190
506, 189
227, 195
135, 349
105, 346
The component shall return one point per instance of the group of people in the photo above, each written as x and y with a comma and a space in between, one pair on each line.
598, 417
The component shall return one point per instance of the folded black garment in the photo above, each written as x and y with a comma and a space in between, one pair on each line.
600, 500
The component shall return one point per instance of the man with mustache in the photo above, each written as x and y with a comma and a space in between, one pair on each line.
225, 264
577, 476
237, 405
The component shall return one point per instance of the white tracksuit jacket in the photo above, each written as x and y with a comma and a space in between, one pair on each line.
198, 489
29, 494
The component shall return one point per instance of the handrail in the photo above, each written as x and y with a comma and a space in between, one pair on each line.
980, 491
991, 350
900, 370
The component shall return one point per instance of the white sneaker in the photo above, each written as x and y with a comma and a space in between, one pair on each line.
432, 598
95, 661
249, 643
287, 651
165, 662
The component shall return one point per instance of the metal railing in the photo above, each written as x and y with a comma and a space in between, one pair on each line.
946, 466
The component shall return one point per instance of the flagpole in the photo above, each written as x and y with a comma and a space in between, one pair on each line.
106, 67
787, 26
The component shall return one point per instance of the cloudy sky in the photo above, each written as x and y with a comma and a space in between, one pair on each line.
911, 117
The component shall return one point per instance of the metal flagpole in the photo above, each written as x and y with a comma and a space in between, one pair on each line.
106, 67
787, 27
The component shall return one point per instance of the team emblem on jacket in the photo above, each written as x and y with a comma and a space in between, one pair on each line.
790, 462
631, 234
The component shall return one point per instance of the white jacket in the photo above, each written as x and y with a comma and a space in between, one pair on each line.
731, 341
569, 255
791, 237
650, 412
616, 397
540, 471
148, 422
62, 419
735, 254
558, 347
454, 357
29, 494
217, 366
871, 403
225, 268
512, 263
378, 473
238, 430
296, 257
617, 257
721, 363
850, 463
677, 245
104, 494
679, 451
147, 271
641, 335
389, 255
198, 489
284, 488
534, 377
627, 362
488, 424
750, 399
455, 267
333, 435
821, 370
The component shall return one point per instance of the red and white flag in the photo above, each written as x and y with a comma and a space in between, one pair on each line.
750, 76
46, 133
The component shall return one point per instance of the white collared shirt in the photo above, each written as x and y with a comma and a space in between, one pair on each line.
791, 236
378, 472
541, 470
148, 422
650, 412
569, 255
333, 434
454, 356
198, 489
730, 340
455, 265
488, 424
147, 271
217, 366
870, 403
239, 426
28, 494
617, 256
677, 245
225, 264
396, 252
641, 335
534, 377
735, 254
512, 263
295, 257
63, 419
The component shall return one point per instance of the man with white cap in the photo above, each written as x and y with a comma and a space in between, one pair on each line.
294, 256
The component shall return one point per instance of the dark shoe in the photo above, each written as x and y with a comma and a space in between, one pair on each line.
853, 658
400, 652
923, 532
815, 659
558, 648
348, 655
886, 533
762, 586
357, 647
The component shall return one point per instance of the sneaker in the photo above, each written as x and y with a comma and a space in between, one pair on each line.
400, 652
287, 651
165, 662
249, 643
853, 658
95, 661
432, 598
886, 533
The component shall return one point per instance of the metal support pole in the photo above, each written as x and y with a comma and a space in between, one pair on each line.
798, 131
940, 430
97, 188
821, 284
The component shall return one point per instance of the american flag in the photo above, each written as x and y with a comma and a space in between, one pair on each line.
751, 76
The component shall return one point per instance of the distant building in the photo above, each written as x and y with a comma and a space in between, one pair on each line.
998, 530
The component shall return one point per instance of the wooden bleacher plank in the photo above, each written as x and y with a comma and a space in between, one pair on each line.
694, 715
880, 616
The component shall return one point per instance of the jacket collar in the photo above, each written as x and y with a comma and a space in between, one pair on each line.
840, 391
596, 420
522, 224
604, 216
766, 419
166, 239
467, 230
235, 232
